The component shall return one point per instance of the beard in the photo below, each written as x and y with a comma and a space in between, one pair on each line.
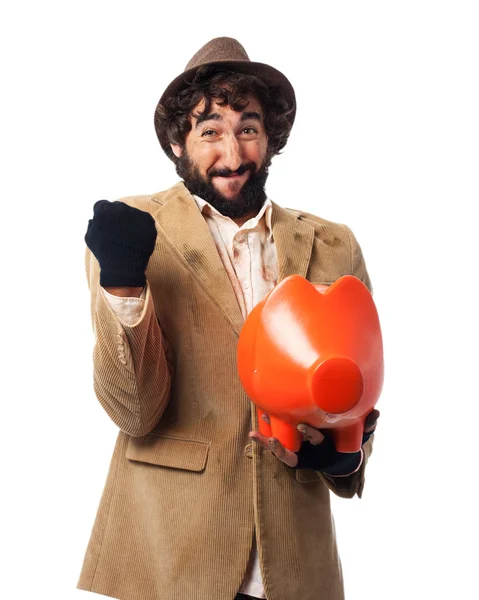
249, 199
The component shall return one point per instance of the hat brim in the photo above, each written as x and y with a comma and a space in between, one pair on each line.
271, 76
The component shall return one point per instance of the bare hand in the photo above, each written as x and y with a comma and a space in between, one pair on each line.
310, 434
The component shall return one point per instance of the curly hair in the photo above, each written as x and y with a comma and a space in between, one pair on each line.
228, 88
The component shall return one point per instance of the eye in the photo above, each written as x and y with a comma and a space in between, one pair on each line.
250, 130
208, 133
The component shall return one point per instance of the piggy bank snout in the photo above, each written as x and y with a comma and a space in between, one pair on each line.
336, 384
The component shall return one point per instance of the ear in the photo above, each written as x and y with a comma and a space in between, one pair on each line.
177, 151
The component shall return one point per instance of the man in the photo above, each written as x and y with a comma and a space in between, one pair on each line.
197, 504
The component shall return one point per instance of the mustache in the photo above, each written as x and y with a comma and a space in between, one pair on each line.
228, 172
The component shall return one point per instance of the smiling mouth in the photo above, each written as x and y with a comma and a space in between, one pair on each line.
232, 175
228, 174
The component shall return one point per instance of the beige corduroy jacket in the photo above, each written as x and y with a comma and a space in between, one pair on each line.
186, 489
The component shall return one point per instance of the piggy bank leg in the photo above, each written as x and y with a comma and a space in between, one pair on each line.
287, 434
349, 439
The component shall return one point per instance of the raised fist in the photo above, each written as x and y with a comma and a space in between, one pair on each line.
122, 238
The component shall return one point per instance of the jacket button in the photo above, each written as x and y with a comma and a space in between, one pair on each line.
248, 450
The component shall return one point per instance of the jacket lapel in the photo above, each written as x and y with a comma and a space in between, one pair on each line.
184, 227
294, 242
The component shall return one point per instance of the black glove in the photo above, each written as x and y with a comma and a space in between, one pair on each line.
325, 458
122, 238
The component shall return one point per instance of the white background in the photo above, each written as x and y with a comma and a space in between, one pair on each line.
386, 140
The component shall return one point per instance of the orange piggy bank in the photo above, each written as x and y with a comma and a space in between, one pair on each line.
313, 354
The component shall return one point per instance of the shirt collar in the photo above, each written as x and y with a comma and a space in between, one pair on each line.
266, 210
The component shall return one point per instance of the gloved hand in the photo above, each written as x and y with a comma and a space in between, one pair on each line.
122, 238
324, 457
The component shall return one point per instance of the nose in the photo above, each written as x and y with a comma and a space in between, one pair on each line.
232, 157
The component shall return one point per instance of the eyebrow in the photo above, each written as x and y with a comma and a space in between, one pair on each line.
217, 117
251, 115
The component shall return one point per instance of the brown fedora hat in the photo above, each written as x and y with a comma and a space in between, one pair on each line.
229, 55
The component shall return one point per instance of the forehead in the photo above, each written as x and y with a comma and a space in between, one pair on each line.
252, 106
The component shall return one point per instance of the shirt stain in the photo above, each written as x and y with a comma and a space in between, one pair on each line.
267, 274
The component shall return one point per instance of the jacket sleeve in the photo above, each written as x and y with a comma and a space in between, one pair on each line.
131, 374
347, 487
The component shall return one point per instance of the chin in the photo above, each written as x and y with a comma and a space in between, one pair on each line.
228, 194
230, 198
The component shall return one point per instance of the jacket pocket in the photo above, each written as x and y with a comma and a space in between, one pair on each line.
176, 453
